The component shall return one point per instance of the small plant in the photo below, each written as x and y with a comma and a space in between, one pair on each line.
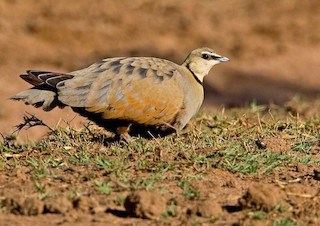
171, 211
104, 187
258, 215
120, 200
104, 163
188, 191
284, 222
38, 186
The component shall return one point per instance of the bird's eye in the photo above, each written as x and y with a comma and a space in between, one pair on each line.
205, 56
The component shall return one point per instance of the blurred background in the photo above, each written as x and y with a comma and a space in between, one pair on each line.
274, 46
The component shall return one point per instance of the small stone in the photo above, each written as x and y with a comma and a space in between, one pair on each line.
145, 204
86, 204
316, 175
208, 208
23, 205
262, 196
58, 205
32, 206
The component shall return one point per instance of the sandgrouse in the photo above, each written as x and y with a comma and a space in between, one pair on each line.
142, 95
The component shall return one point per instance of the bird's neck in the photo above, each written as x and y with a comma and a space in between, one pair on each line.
196, 71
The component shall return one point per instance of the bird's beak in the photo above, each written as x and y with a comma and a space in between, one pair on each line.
223, 59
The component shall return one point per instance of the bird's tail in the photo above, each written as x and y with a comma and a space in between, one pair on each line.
44, 91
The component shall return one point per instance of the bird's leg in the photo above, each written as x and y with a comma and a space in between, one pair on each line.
123, 133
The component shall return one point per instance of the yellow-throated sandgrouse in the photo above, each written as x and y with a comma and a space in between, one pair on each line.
140, 93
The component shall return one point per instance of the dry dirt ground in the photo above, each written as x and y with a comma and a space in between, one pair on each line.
274, 47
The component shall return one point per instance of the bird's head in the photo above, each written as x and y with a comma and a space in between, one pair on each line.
201, 60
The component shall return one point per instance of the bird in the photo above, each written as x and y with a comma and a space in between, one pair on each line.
127, 95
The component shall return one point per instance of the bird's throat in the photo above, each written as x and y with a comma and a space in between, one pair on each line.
199, 79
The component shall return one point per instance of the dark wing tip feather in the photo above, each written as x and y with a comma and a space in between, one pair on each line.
33, 80
32, 77
36, 77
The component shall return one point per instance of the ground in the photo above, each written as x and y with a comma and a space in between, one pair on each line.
251, 157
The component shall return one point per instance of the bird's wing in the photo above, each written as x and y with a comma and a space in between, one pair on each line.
143, 90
